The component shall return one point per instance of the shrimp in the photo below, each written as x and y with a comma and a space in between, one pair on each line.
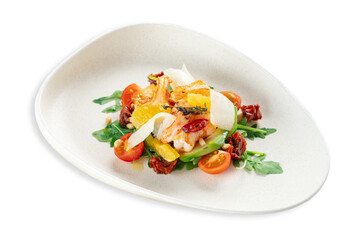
196, 87
185, 142
154, 94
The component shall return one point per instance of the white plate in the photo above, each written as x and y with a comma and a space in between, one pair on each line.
67, 117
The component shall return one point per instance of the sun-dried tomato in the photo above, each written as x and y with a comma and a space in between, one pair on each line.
151, 81
237, 145
125, 115
162, 166
251, 112
195, 125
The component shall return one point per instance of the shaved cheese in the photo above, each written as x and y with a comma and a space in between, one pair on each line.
179, 77
153, 125
222, 113
164, 125
184, 69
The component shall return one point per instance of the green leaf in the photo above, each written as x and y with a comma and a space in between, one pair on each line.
250, 135
116, 96
243, 121
153, 78
179, 165
103, 135
111, 133
236, 163
112, 97
114, 108
195, 160
211, 87
190, 166
147, 151
269, 130
254, 160
253, 131
169, 88
259, 135
268, 167
249, 166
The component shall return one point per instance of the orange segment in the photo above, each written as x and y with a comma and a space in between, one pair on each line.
198, 87
195, 99
163, 149
144, 113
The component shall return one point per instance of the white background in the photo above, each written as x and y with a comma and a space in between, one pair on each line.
313, 47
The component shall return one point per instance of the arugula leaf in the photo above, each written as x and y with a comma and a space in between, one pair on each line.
268, 167
250, 135
112, 97
114, 108
179, 165
254, 160
190, 166
112, 132
116, 96
269, 130
193, 163
243, 121
149, 151
259, 135
253, 131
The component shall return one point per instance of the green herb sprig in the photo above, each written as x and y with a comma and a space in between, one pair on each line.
254, 160
189, 110
116, 96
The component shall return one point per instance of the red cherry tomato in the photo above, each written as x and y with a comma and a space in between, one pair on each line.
233, 97
130, 155
128, 95
195, 125
215, 162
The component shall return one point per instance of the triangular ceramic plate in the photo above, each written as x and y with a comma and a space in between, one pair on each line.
67, 117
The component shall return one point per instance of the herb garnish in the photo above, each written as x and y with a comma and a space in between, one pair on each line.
116, 96
152, 78
189, 110
254, 160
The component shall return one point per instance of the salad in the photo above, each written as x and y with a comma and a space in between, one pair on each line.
180, 122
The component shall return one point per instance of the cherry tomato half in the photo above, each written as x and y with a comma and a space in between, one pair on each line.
128, 94
233, 97
215, 162
132, 154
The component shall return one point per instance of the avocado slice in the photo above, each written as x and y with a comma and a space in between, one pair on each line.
213, 142
234, 128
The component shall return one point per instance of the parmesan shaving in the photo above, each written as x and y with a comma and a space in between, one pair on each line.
179, 77
153, 125
222, 114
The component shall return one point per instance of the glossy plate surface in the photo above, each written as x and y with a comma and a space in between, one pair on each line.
67, 117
